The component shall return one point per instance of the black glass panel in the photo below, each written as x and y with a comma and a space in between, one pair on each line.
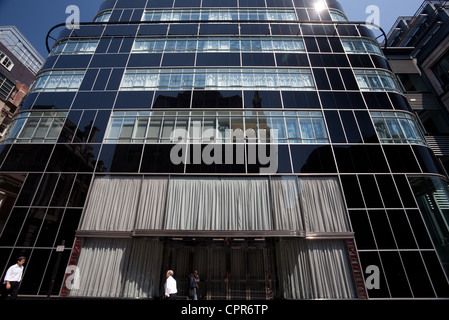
144, 60
360, 61
214, 99
29, 188
351, 190
99, 126
258, 59
399, 101
362, 229
178, 60
219, 3
67, 231
102, 79
27, 157
54, 100
360, 159
381, 228
401, 229
335, 128
401, 159
380, 62
342, 100
70, 125
388, 190
251, 3
312, 159
46, 188
183, 29
73, 61
377, 100
300, 99
259, 29
292, 59
216, 158
323, 44
94, 100
311, 44
79, 194
29, 101
417, 274
115, 79
370, 191
366, 127
262, 99
35, 266
172, 99
134, 99
115, 45
336, 44
231, 29
120, 158
218, 59
349, 79
156, 158
284, 29
74, 158
350, 126
372, 259
60, 272
187, 3
419, 229
109, 60
13, 226
274, 159
137, 3
439, 280
335, 79
404, 190
279, 3
158, 29
427, 160
62, 190
31, 227
321, 79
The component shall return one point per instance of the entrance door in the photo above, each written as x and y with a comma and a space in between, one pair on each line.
228, 269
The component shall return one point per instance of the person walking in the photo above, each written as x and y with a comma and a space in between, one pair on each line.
12, 279
170, 286
194, 280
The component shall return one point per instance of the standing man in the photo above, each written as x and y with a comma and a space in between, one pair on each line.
12, 279
170, 286
194, 281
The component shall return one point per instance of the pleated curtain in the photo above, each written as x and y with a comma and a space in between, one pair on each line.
315, 269
286, 204
119, 268
218, 204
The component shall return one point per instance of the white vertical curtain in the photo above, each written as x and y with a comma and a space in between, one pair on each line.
323, 206
218, 204
119, 268
112, 204
152, 200
144, 269
285, 203
101, 265
315, 269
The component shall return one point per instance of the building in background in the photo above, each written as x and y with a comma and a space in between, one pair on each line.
19, 63
418, 52
264, 143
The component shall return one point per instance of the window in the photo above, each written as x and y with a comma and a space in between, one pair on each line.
219, 14
6, 87
397, 127
359, 45
219, 44
217, 79
216, 127
337, 15
103, 17
75, 47
441, 71
64, 80
377, 80
35, 127
6, 61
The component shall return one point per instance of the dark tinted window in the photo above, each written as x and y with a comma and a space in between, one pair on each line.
300, 99
262, 99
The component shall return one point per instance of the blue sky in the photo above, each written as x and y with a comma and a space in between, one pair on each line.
35, 17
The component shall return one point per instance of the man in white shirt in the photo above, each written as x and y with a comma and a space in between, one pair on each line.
170, 286
12, 279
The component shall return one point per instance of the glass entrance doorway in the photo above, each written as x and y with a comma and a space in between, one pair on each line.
228, 268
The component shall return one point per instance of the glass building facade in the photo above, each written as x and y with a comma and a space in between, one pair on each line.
265, 143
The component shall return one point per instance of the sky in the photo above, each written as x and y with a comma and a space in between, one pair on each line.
34, 18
